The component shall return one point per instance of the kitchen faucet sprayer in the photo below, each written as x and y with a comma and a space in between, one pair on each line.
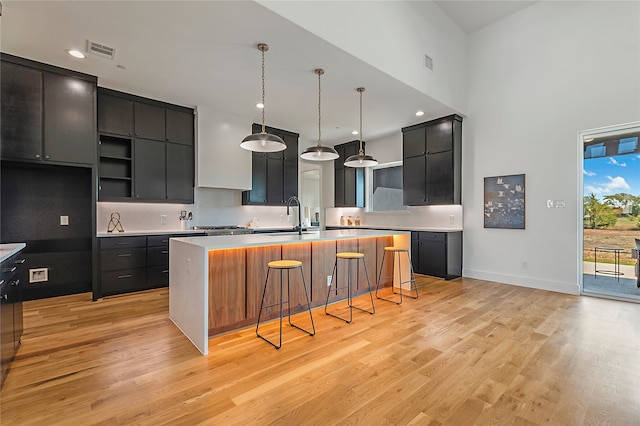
297, 200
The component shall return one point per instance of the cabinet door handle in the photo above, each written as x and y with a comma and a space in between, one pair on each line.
166, 271
37, 155
16, 283
123, 244
1, 282
47, 157
125, 255
20, 261
165, 251
9, 270
5, 296
124, 276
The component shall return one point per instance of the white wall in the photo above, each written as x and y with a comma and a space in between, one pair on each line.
392, 36
535, 80
221, 163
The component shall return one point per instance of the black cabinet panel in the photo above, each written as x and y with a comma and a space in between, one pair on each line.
69, 122
149, 121
115, 115
157, 256
150, 178
180, 172
179, 127
121, 242
275, 174
158, 276
21, 111
438, 254
113, 260
124, 281
432, 162
414, 142
349, 181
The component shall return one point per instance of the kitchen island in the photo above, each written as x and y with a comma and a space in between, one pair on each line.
216, 283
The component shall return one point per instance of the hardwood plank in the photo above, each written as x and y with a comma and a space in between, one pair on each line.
466, 352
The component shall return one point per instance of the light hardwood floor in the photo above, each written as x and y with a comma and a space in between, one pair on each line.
466, 352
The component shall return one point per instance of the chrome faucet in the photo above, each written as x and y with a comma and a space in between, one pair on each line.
297, 200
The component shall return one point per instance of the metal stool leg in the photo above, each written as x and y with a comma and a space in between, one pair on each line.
373, 308
264, 291
306, 294
412, 277
334, 275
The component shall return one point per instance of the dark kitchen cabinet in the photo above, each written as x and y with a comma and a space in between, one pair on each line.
432, 161
349, 181
149, 121
137, 263
11, 321
48, 113
150, 173
115, 114
438, 254
274, 175
162, 167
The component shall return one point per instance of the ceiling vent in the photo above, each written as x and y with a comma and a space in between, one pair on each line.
100, 50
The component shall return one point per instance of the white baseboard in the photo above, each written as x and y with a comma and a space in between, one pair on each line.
550, 285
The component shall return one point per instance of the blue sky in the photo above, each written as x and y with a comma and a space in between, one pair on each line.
612, 175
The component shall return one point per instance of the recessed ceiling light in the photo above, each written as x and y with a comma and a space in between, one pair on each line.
588, 139
355, 132
76, 54
260, 105
419, 113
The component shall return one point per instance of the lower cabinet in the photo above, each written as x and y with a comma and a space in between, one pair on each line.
438, 254
10, 311
137, 263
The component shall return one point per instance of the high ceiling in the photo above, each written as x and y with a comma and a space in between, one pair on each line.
204, 54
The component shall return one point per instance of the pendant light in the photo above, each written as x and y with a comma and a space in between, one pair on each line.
319, 152
360, 159
263, 141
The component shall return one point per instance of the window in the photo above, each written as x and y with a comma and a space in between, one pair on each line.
385, 188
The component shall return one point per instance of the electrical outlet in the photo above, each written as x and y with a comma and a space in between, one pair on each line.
328, 280
451, 218
524, 265
64, 220
163, 219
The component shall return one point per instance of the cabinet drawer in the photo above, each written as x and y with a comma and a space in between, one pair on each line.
157, 256
158, 276
123, 281
128, 258
158, 240
122, 242
433, 236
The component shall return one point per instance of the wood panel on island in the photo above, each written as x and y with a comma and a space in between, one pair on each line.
248, 265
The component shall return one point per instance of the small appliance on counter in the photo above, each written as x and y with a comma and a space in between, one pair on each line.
223, 229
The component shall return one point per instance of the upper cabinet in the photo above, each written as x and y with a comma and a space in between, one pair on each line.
146, 149
274, 175
349, 181
48, 113
432, 161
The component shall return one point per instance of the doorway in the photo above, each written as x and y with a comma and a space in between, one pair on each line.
610, 216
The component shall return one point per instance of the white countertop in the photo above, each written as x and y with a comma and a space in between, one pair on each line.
398, 228
248, 240
8, 250
151, 232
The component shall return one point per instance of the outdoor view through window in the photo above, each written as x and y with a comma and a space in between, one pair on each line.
611, 172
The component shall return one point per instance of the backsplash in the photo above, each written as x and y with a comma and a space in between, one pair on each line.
440, 217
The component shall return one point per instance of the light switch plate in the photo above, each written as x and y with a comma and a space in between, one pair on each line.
64, 220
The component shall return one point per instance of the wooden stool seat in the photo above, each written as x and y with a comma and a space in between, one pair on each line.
285, 264
349, 256
396, 252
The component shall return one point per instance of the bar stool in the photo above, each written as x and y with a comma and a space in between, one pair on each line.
349, 257
283, 265
396, 252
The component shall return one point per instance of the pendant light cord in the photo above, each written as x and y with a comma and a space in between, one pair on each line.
262, 49
319, 72
360, 89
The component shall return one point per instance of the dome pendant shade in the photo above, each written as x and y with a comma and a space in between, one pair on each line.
263, 141
360, 160
319, 153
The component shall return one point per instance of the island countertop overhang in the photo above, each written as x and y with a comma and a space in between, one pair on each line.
252, 240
